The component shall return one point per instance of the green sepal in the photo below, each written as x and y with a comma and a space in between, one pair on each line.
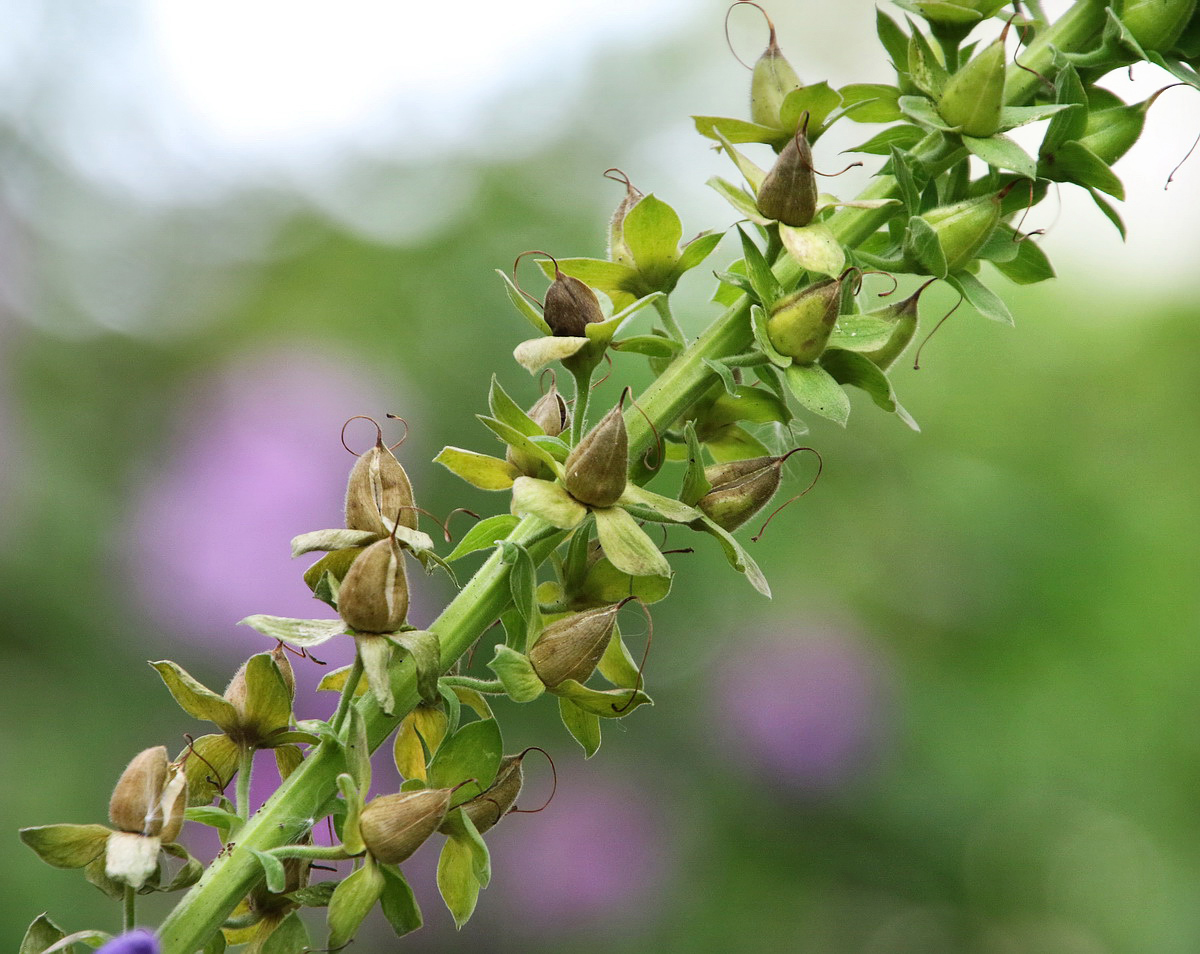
815, 389
301, 633
1013, 117
397, 902
849, 367
324, 576
1000, 152
290, 937
484, 535
66, 846
722, 370
736, 554
733, 443
41, 934
627, 545
652, 346
750, 171
218, 818
906, 182
417, 739
870, 103
353, 800
314, 895
741, 200
522, 583
336, 539
425, 651
91, 938
695, 484
619, 282
982, 299
473, 752
758, 324
816, 99
211, 766
1069, 123
196, 699
522, 304
739, 131
902, 136
893, 38
357, 750
766, 285
375, 651
535, 354
96, 874
653, 231
268, 701
457, 881
923, 248
276, 876
1075, 162
352, 901
478, 470
861, 332
922, 111
604, 584
1109, 212
522, 442
335, 681
924, 68
583, 726
549, 501
697, 250
516, 674
815, 247
602, 703
661, 509
1029, 266
189, 872
617, 665
216, 944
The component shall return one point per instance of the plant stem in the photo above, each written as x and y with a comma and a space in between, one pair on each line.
583, 391
663, 307
307, 792
352, 679
491, 687
315, 852
245, 769
129, 909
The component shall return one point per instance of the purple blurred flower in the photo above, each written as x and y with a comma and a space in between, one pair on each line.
135, 942
807, 709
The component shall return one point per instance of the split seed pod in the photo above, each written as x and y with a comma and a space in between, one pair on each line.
618, 249
379, 492
964, 227
770, 82
801, 323
570, 306
149, 798
487, 809
394, 826
551, 415
740, 489
789, 192
570, 648
598, 468
974, 96
373, 598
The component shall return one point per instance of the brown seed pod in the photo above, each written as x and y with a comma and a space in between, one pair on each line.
740, 489
570, 306
394, 826
487, 809
379, 492
598, 468
373, 598
135, 803
789, 192
551, 415
570, 648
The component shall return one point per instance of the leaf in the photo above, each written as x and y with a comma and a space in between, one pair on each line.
817, 99
425, 651
357, 750
1000, 152
697, 250
536, 353
335, 681
397, 902
902, 137
214, 817
301, 633
40, 934
583, 726
352, 901
375, 651
290, 937
547, 500
273, 868
750, 171
602, 703
1029, 266
1012, 117
742, 201
737, 130
331, 540
66, 846
196, 699
522, 582
1075, 162
982, 299
722, 371
870, 103
90, 938
695, 484
484, 535
522, 304
893, 38
736, 554
815, 247
848, 367
906, 183
816, 390
626, 544
925, 69
766, 285
653, 231
922, 246
456, 880
1110, 213
516, 674
188, 874
1068, 124
650, 345
921, 110
473, 752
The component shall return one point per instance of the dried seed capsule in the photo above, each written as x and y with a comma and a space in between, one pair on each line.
974, 96
1157, 24
789, 192
394, 826
379, 492
618, 249
963, 228
771, 81
570, 648
551, 415
598, 468
487, 809
801, 323
373, 598
740, 489
570, 306
135, 805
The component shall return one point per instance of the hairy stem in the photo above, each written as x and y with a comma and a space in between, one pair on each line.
245, 770
352, 680
129, 909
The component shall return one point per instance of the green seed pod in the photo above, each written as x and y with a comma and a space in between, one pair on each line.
394, 826
770, 82
487, 809
373, 598
379, 492
598, 468
618, 248
974, 96
1157, 24
570, 306
904, 316
1110, 133
570, 648
135, 803
789, 192
964, 227
740, 489
801, 323
551, 415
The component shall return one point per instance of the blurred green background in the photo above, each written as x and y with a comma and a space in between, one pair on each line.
966, 723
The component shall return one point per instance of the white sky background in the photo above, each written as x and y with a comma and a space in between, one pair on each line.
176, 103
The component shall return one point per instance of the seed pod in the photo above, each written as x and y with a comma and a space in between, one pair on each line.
1110, 133
570, 648
789, 192
373, 598
551, 415
487, 809
135, 805
598, 468
262, 705
618, 249
770, 82
801, 323
904, 316
974, 96
379, 492
1157, 24
394, 826
740, 489
570, 306
964, 227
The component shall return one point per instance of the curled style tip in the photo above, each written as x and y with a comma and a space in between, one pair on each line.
553, 786
363, 417
637, 685
941, 321
817, 476
517, 261
771, 41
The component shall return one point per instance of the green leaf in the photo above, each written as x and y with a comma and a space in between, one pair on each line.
1029, 266
473, 752
214, 817
893, 38
1070, 123
88, 937
740, 199
375, 651
484, 535
922, 111
1012, 117
273, 868
357, 750
583, 726
738, 130
196, 699
722, 371
906, 182
1110, 213
982, 299
66, 846
1000, 152
925, 69
627, 545
619, 282
921, 246
301, 633
901, 137
522, 581
815, 247
425, 651
848, 367
40, 935
456, 880
268, 702
1075, 162
506, 410
523, 442
352, 901
750, 171
331, 540
290, 937
817, 99
695, 484
650, 345
870, 103
397, 902
736, 554
766, 285
523, 305
653, 231
602, 703
816, 390
697, 250
517, 674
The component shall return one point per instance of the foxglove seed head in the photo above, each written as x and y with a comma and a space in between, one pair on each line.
1157, 24
570, 648
974, 96
598, 468
964, 227
1110, 133
394, 826
789, 192
570, 306
379, 492
770, 82
262, 700
801, 323
487, 809
373, 597
551, 415
740, 489
136, 803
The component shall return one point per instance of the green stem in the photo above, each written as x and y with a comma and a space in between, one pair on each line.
663, 306
352, 679
491, 687
245, 769
583, 391
314, 852
307, 792
129, 909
